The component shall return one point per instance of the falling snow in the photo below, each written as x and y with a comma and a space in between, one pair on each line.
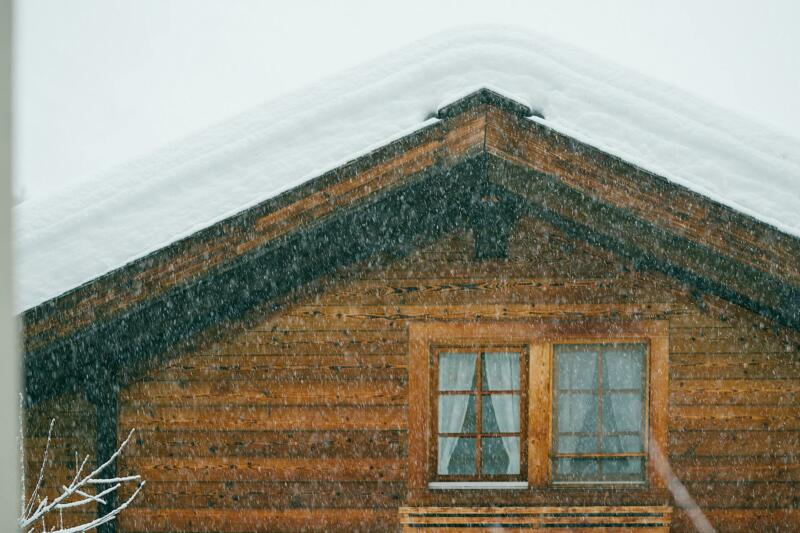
68, 239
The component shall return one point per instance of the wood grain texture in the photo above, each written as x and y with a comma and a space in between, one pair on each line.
300, 418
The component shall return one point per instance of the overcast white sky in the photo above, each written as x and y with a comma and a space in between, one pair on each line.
98, 82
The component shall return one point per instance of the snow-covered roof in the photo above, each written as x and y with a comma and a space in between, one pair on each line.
67, 239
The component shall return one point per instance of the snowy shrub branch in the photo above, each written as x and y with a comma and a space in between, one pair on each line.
38, 513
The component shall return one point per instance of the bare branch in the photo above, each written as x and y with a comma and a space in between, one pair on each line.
31, 516
35, 492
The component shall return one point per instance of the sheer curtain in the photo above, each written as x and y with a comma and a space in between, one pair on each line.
622, 410
456, 372
502, 373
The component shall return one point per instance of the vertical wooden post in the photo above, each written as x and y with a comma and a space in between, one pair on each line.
106, 445
492, 216
103, 392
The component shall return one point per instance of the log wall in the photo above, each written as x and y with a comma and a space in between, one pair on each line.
297, 419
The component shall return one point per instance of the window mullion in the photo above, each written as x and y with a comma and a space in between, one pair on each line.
478, 407
600, 407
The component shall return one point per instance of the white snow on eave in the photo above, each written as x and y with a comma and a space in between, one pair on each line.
79, 234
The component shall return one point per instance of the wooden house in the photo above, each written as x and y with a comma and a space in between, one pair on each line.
483, 324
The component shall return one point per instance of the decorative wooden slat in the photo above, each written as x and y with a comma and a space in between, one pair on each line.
590, 519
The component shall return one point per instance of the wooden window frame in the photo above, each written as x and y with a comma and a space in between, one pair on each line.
554, 407
479, 350
539, 336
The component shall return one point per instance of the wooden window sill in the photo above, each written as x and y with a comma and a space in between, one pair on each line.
603, 483
478, 485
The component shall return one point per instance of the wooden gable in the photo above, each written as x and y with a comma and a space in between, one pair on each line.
481, 166
297, 418
265, 360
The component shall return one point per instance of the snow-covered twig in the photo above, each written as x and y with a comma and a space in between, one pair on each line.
37, 509
35, 493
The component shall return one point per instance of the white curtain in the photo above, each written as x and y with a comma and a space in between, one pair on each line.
456, 372
622, 411
502, 373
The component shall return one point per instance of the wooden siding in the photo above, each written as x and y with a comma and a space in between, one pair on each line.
297, 420
483, 135
73, 438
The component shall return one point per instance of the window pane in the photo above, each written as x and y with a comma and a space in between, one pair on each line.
622, 411
623, 468
623, 367
500, 371
500, 455
457, 371
500, 413
457, 413
576, 365
456, 456
577, 444
577, 412
622, 444
569, 469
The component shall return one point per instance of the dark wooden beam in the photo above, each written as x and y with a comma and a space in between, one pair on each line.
619, 231
103, 393
395, 222
492, 216
52, 313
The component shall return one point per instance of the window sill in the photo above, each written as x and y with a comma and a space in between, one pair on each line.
595, 483
478, 485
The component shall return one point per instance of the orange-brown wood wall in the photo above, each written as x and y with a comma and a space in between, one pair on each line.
297, 420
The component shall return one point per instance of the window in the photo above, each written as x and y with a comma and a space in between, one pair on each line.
479, 400
599, 412
497, 405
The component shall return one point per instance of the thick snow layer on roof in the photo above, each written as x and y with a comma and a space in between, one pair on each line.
81, 233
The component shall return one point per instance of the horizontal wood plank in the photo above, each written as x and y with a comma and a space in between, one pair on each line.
735, 392
258, 443
261, 469
241, 392
735, 417
270, 494
279, 368
699, 443
263, 418
733, 469
745, 366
